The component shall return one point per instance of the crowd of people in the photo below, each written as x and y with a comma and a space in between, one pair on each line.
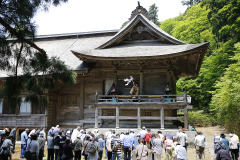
226, 149
78, 144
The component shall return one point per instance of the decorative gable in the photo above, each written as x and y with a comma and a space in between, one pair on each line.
138, 29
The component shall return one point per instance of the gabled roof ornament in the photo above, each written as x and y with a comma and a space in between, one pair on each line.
139, 9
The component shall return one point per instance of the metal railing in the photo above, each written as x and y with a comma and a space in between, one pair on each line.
142, 99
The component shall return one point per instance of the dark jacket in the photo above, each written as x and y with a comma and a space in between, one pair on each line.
67, 150
222, 154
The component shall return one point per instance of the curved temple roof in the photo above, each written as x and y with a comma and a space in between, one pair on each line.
142, 51
142, 40
139, 39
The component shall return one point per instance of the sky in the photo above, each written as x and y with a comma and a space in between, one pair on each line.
98, 15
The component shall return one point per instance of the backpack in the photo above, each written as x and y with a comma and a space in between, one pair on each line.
5, 151
92, 148
115, 146
56, 141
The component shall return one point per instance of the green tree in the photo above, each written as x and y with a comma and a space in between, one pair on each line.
153, 14
225, 19
194, 27
28, 66
190, 3
226, 97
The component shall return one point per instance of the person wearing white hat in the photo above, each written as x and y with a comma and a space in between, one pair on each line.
218, 144
220, 150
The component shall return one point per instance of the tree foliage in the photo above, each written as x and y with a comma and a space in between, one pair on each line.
153, 14
190, 3
27, 65
215, 89
226, 97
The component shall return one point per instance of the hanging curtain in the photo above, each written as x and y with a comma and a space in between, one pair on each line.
108, 85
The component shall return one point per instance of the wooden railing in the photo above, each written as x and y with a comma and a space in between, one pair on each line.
142, 99
21, 120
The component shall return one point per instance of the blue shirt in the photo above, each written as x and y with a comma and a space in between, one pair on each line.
136, 142
50, 132
24, 137
56, 131
169, 136
225, 141
101, 144
127, 141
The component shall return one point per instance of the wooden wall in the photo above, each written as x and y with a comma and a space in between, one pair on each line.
68, 103
76, 103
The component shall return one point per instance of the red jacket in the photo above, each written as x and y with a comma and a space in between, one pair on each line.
148, 136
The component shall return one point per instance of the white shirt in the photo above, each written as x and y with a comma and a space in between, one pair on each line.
161, 136
142, 133
6, 143
200, 140
182, 138
233, 143
108, 135
122, 136
181, 152
32, 132
83, 136
74, 135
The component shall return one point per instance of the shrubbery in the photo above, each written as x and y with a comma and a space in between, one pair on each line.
200, 119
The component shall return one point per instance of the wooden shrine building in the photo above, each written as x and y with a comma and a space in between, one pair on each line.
141, 50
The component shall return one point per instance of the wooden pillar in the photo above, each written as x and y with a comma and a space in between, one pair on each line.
138, 117
141, 81
58, 108
185, 111
81, 104
185, 118
46, 112
96, 117
117, 117
162, 117
18, 136
100, 113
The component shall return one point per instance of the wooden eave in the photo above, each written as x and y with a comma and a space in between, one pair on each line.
93, 58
